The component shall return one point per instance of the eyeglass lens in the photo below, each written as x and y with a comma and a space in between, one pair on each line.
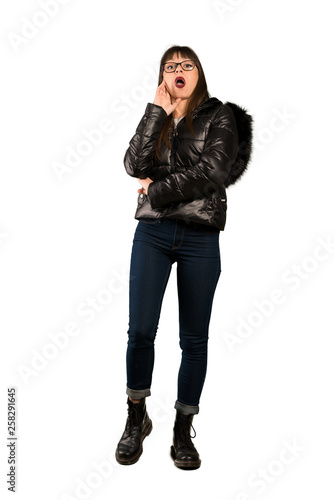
186, 65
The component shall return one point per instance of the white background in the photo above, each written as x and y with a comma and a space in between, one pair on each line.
64, 240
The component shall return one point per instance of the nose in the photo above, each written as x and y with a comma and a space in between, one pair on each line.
178, 68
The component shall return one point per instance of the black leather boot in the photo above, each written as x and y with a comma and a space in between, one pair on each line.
138, 426
183, 452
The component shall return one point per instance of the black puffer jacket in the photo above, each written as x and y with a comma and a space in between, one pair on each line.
190, 180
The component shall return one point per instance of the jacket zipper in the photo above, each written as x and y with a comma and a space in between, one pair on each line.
172, 162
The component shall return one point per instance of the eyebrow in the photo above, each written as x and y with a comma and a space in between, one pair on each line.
173, 60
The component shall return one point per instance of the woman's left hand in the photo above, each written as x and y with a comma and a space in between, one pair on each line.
144, 183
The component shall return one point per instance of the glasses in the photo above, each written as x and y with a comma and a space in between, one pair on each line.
187, 65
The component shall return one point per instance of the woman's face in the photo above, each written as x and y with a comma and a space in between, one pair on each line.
190, 78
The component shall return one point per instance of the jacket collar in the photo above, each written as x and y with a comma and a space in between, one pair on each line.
211, 102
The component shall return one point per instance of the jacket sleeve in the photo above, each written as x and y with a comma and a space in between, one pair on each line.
138, 159
219, 153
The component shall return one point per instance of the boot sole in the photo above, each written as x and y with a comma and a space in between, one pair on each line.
189, 465
137, 456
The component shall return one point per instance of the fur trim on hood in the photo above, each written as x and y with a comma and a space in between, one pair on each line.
244, 123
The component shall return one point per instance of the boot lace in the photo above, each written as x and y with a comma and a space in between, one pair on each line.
132, 420
185, 433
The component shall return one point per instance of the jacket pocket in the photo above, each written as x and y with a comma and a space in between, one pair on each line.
220, 202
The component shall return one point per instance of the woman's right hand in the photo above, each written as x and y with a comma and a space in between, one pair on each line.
164, 99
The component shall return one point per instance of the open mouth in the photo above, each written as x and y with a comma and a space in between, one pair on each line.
180, 82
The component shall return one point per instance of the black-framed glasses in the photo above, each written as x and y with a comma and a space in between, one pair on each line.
187, 65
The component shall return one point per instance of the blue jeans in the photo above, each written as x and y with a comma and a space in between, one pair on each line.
157, 244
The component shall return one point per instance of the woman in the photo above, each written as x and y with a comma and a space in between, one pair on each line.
185, 152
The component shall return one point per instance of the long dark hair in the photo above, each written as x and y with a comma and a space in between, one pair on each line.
199, 95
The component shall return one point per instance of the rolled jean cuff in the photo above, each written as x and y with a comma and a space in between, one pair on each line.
186, 409
138, 394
